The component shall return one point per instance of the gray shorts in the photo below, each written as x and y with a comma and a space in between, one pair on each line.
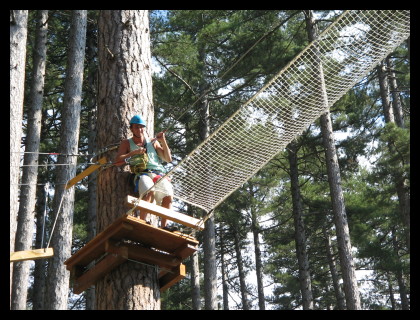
163, 189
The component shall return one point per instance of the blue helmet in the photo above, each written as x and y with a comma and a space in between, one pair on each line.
137, 120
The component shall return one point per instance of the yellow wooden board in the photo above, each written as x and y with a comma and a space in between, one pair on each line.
31, 254
178, 217
85, 173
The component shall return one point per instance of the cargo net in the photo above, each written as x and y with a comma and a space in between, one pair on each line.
310, 84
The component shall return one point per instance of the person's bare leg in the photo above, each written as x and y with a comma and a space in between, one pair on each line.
149, 198
166, 203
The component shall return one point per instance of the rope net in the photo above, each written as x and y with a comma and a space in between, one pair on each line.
310, 84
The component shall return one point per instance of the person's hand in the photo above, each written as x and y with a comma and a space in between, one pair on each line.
140, 150
160, 136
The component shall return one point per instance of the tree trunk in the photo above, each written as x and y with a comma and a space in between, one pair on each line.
351, 290
391, 292
210, 276
223, 270
58, 276
18, 35
241, 272
333, 270
255, 227
92, 178
384, 90
209, 237
405, 305
38, 288
300, 237
195, 282
125, 89
396, 100
25, 224
195, 274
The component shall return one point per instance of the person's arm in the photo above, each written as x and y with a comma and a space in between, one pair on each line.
162, 147
124, 152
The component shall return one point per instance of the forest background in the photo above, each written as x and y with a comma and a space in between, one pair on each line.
230, 55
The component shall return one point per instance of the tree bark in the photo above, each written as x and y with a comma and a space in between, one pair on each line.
61, 238
25, 225
300, 237
125, 89
18, 35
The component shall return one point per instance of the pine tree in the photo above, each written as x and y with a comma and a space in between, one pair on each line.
125, 89
346, 260
61, 238
25, 226
18, 35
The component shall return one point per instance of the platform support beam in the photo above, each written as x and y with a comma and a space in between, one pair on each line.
168, 279
110, 262
161, 259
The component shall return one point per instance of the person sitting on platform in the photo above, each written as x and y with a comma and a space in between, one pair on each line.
145, 160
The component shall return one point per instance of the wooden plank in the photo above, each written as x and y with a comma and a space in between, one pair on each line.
178, 217
170, 278
85, 173
31, 254
106, 265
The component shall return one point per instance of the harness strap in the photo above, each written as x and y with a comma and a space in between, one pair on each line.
139, 173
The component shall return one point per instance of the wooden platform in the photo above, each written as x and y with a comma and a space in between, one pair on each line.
146, 244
